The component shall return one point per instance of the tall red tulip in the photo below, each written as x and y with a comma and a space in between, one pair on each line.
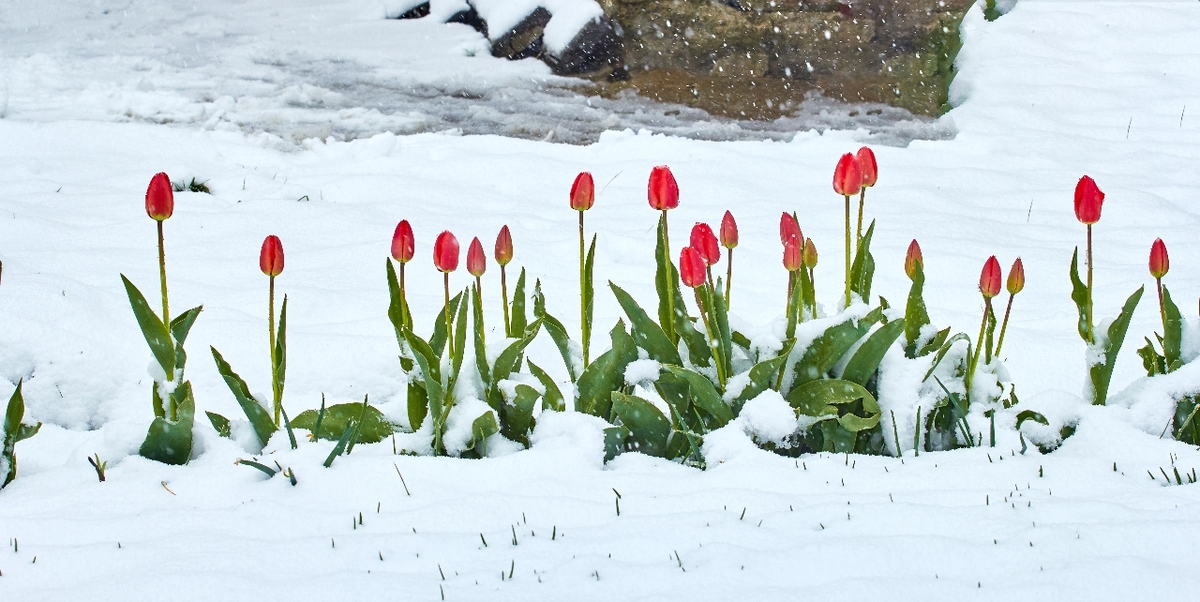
867, 166
583, 192
270, 257
663, 191
445, 252
476, 260
913, 260
847, 180
729, 240
1088, 200
691, 267
705, 242
1016, 282
989, 278
1159, 264
789, 228
403, 242
160, 197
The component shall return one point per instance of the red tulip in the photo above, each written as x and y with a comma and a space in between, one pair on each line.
989, 278
583, 192
662, 191
504, 247
1016, 277
160, 197
1159, 263
913, 259
847, 178
810, 254
445, 252
1088, 200
867, 166
789, 228
402, 242
691, 267
476, 262
270, 258
792, 254
729, 233
705, 243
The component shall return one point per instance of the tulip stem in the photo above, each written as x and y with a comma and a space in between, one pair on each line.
271, 332
670, 326
987, 308
584, 327
1004, 325
449, 332
403, 301
862, 196
847, 250
1090, 328
712, 337
162, 277
728, 278
812, 278
504, 296
1162, 310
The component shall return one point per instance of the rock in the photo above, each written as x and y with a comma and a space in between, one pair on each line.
525, 39
416, 12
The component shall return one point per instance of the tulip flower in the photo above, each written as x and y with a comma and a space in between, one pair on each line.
793, 259
160, 205
729, 240
810, 262
663, 193
583, 196
270, 261
705, 243
445, 259
476, 261
403, 247
789, 228
504, 253
692, 267
870, 172
1016, 282
1088, 200
847, 180
989, 286
1159, 264
913, 260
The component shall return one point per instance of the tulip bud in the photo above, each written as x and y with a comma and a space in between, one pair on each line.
1159, 263
729, 233
913, 260
402, 242
445, 252
792, 254
1088, 200
662, 191
160, 197
989, 278
504, 247
583, 192
789, 228
691, 267
476, 262
1016, 277
705, 243
810, 254
867, 166
270, 258
847, 178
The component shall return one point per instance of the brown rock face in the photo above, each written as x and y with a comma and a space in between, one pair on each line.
755, 58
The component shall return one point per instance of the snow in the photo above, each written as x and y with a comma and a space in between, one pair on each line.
279, 110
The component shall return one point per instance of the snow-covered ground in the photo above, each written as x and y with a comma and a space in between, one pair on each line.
240, 93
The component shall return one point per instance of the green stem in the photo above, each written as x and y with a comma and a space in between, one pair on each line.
403, 301
670, 326
1090, 328
987, 306
847, 250
1162, 310
712, 337
504, 297
728, 278
162, 277
271, 333
584, 328
1004, 326
449, 331
812, 278
862, 195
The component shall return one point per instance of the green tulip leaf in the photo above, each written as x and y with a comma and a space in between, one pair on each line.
339, 417
866, 359
153, 329
649, 430
646, 333
1102, 373
1079, 294
170, 441
916, 316
553, 398
606, 374
259, 417
219, 423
